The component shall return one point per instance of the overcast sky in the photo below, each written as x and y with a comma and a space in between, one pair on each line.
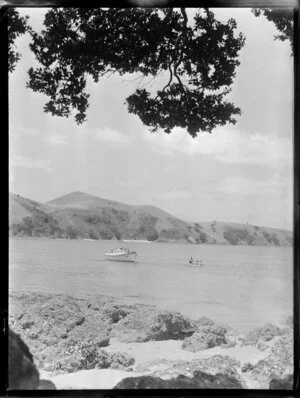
240, 173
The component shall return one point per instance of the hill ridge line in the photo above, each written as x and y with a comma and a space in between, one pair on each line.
84, 216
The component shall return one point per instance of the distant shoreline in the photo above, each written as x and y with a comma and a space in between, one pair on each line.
141, 241
137, 241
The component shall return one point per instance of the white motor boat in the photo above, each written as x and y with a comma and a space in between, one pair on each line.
121, 254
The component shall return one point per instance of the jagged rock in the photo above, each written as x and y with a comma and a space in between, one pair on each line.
115, 312
229, 344
283, 350
247, 367
201, 341
212, 365
265, 333
48, 321
52, 324
232, 338
142, 382
290, 321
199, 380
208, 335
219, 364
85, 356
204, 321
148, 323
277, 365
121, 360
216, 381
282, 384
262, 345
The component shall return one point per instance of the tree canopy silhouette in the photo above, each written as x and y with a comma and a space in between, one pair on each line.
283, 21
17, 26
194, 58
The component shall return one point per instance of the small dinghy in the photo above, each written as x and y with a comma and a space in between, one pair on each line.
195, 263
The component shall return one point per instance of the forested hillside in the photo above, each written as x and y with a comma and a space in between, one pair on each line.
81, 216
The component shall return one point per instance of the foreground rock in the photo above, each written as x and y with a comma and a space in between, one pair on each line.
86, 356
282, 384
208, 335
53, 326
149, 323
211, 365
199, 380
22, 372
68, 334
279, 364
259, 336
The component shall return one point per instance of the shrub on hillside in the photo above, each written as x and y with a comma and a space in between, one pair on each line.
198, 227
153, 236
235, 236
202, 237
93, 234
92, 219
40, 224
250, 239
71, 233
171, 234
271, 238
118, 235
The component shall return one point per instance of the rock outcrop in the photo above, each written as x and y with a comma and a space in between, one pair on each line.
282, 384
263, 334
67, 334
22, 372
208, 335
277, 365
200, 380
212, 365
148, 323
85, 356
51, 325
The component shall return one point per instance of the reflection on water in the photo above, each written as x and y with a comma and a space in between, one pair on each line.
242, 286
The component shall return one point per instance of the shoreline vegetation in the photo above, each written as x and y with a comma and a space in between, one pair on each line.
86, 342
81, 216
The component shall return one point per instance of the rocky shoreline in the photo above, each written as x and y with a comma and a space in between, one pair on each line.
142, 346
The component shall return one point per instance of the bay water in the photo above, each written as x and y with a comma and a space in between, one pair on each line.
238, 286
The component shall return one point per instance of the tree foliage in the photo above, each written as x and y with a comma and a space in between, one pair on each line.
17, 26
283, 21
197, 60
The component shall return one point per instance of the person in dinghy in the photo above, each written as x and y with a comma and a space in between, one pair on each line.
193, 262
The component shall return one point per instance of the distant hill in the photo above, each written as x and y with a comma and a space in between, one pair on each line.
78, 215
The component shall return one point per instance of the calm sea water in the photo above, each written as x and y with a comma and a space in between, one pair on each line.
241, 286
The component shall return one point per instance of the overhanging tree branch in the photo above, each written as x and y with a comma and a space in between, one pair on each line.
145, 41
